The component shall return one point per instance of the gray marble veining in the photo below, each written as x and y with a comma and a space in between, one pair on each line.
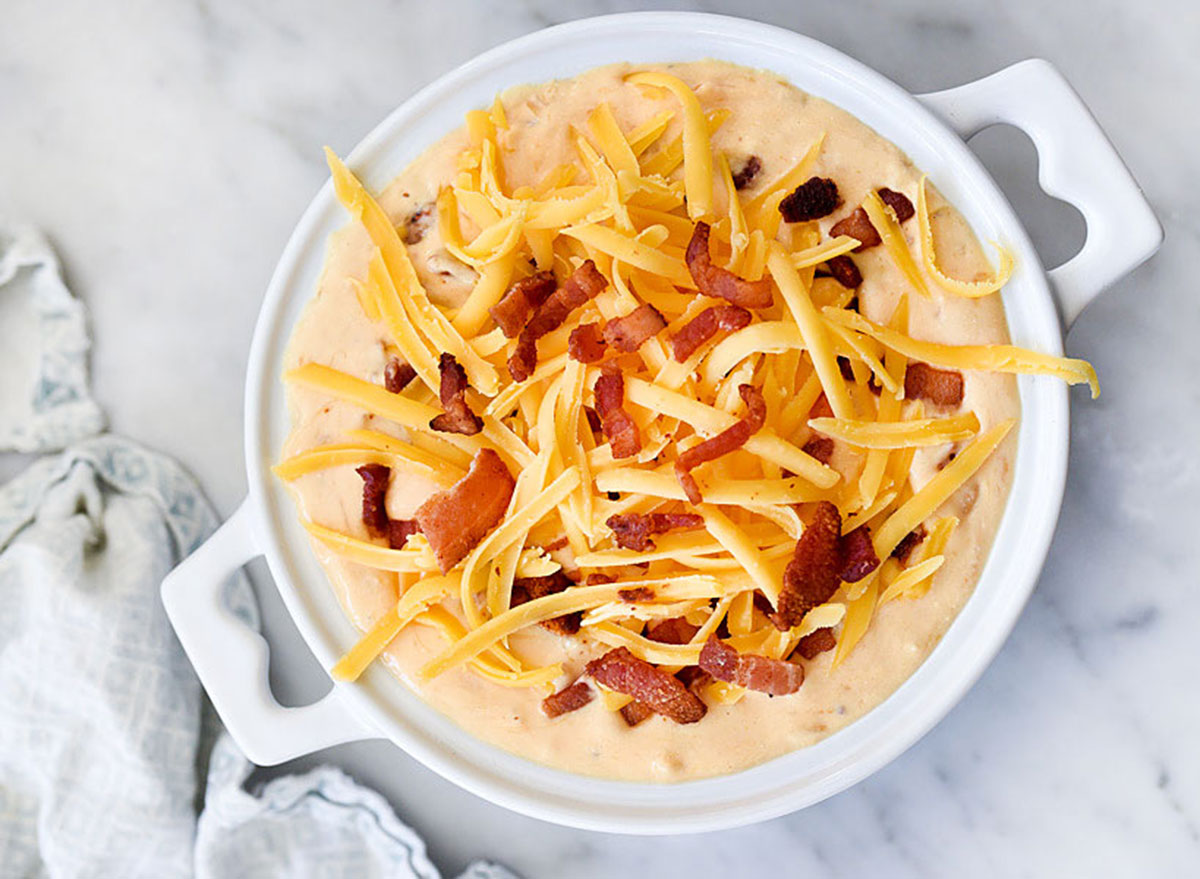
168, 148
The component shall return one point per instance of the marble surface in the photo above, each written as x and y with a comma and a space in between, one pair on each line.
167, 148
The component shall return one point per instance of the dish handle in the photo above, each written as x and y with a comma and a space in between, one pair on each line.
1077, 163
230, 658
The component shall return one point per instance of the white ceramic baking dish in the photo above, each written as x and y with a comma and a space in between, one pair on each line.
1077, 163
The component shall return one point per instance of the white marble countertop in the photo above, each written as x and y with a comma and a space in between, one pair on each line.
168, 148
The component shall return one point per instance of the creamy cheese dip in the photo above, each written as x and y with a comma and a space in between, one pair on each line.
777, 123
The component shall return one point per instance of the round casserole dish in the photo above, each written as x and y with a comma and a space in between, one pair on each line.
1077, 164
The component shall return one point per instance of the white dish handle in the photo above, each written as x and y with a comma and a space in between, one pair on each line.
1077, 163
230, 658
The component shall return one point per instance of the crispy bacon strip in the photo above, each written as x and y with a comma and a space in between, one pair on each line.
458, 417
586, 344
898, 202
816, 197
397, 375
858, 225
815, 571
456, 519
514, 308
633, 530
620, 670
585, 283
417, 224
819, 447
943, 387
565, 701
911, 541
675, 630
712, 280
746, 174
816, 643
528, 588
704, 326
845, 271
615, 422
731, 438
399, 530
629, 332
777, 677
635, 712
375, 484
858, 554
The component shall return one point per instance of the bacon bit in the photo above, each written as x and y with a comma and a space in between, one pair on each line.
585, 283
530, 588
816, 197
821, 408
565, 701
815, 571
635, 712
721, 283
857, 225
593, 419
816, 643
375, 484
636, 593
629, 332
600, 579
620, 670
399, 530
776, 677
898, 202
397, 375
819, 447
417, 224
745, 176
515, 307
456, 519
733, 437
942, 387
845, 271
911, 541
693, 677
633, 530
675, 630
586, 344
704, 326
859, 554
458, 417
618, 426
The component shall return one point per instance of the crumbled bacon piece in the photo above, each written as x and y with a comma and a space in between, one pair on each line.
845, 271
858, 225
599, 579
815, 571
616, 423
712, 280
898, 202
731, 438
620, 670
942, 387
693, 677
819, 447
531, 588
704, 326
746, 174
417, 223
816, 197
586, 344
635, 712
375, 484
858, 554
633, 530
816, 643
908, 543
516, 305
629, 332
675, 630
778, 677
453, 521
565, 701
458, 417
397, 375
585, 283
636, 593
399, 530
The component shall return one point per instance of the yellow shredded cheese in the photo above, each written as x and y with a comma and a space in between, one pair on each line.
898, 434
969, 289
883, 218
697, 151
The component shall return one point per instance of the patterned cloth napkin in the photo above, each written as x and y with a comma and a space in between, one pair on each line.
106, 739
